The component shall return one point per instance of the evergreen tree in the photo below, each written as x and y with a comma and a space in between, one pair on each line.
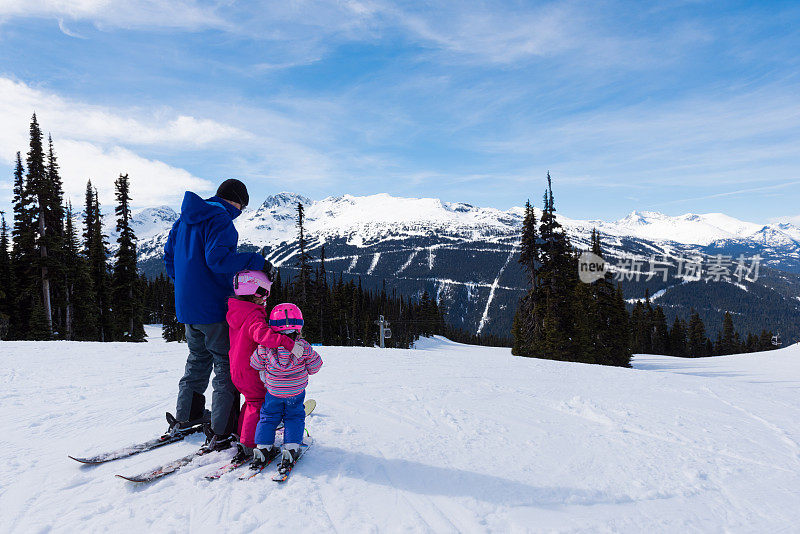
23, 255
525, 321
37, 180
728, 344
39, 329
697, 347
125, 285
81, 309
660, 332
557, 276
560, 317
53, 197
171, 329
529, 244
322, 299
6, 281
303, 260
677, 338
97, 253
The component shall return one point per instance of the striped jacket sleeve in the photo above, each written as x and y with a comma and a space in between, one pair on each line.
259, 359
311, 357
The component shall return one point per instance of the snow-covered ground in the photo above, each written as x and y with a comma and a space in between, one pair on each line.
442, 439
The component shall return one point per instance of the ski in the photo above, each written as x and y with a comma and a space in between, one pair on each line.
253, 471
162, 470
283, 476
137, 448
227, 468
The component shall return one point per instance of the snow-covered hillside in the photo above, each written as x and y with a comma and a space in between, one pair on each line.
367, 219
465, 255
447, 438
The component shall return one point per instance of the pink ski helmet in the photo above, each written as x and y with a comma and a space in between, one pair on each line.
286, 316
251, 283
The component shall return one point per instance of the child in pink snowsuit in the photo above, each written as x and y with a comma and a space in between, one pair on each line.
247, 321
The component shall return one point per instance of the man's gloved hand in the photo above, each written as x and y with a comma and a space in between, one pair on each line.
269, 270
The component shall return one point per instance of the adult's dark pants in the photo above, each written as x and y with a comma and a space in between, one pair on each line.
208, 348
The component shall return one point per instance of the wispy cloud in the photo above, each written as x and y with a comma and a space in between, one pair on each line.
66, 31
128, 14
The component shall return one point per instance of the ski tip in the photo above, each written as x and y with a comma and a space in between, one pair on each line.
85, 461
130, 479
309, 406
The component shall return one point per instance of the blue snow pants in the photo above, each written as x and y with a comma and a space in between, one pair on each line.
275, 409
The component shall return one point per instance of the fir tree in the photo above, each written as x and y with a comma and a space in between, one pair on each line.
39, 329
81, 309
728, 344
557, 276
303, 259
125, 280
677, 338
23, 254
37, 180
171, 329
6, 280
53, 198
524, 319
96, 253
660, 332
697, 346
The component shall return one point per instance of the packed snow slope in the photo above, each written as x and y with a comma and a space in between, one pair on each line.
446, 438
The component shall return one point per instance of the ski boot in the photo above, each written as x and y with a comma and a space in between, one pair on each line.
264, 455
216, 442
243, 454
176, 427
290, 455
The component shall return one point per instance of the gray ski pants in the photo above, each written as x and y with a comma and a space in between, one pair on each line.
208, 347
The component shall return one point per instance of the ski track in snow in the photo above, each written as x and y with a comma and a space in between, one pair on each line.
445, 438
408, 261
353, 263
375, 258
485, 316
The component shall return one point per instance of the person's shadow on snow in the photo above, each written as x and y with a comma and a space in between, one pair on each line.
427, 479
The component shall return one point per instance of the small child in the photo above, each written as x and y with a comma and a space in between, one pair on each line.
249, 329
285, 376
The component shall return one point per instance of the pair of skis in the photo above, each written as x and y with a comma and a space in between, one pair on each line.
253, 471
169, 467
131, 450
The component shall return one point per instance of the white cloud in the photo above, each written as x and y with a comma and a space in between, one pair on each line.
84, 121
152, 182
87, 141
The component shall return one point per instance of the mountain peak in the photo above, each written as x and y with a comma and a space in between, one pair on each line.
284, 198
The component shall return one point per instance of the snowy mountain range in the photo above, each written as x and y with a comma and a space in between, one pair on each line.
466, 254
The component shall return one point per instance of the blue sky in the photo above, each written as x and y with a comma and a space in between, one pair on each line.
667, 106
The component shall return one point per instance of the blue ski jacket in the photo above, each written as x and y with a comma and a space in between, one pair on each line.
200, 256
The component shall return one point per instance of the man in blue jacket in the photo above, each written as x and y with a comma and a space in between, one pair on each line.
200, 256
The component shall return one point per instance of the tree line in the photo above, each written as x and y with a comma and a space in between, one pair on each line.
562, 318
57, 282
650, 334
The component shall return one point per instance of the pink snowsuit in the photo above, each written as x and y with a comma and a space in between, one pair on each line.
249, 328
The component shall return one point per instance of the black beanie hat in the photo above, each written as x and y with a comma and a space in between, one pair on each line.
235, 191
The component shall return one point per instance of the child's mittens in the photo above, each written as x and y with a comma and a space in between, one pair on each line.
298, 350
